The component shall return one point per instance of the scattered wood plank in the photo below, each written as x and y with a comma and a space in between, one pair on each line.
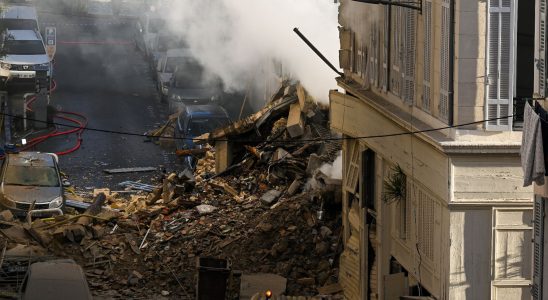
130, 170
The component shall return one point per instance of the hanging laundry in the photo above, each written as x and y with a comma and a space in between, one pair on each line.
543, 115
532, 149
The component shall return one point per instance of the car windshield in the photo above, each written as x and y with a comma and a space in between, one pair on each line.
200, 126
33, 47
190, 75
172, 63
31, 176
19, 24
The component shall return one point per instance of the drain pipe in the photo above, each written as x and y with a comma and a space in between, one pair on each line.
451, 91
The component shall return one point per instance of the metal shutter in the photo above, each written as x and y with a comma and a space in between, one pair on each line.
427, 22
538, 247
408, 75
500, 64
443, 107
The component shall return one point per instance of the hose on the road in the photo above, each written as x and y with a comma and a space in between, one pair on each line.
82, 123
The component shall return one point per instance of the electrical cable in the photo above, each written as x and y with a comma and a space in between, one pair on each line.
265, 140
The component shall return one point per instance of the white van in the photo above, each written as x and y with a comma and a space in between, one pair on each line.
24, 56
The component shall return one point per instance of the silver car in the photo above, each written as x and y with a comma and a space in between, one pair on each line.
31, 177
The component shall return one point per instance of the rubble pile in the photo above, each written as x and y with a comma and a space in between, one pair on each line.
271, 211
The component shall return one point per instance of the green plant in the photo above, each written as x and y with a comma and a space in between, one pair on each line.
395, 185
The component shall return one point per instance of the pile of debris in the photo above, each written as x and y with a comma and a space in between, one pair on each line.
271, 210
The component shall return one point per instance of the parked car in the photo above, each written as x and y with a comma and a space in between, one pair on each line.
25, 58
31, 177
55, 279
190, 84
148, 28
195, 120
159, 47
19, 17
166, 67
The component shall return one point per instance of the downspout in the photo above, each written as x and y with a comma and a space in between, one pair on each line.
451, 91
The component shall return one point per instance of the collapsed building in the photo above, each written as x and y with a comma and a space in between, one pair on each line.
262, 197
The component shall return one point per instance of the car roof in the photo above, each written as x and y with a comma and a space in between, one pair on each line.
56, 278
206, 110
62, 269
31, 159
19, 12
24, 35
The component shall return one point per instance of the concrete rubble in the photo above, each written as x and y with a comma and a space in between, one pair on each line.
255, 213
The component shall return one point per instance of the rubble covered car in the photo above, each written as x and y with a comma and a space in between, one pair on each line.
55, 279
196, 120
31, 177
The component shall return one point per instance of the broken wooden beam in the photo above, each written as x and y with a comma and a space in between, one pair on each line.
130, 170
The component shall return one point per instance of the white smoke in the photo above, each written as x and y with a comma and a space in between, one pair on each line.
238, 39
333, 170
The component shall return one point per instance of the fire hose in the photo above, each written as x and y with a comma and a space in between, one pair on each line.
80, 121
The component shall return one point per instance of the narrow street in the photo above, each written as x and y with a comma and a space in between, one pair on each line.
101, 75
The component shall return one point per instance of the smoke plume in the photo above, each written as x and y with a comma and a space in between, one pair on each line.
240, 39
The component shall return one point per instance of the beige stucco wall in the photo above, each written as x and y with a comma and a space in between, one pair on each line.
488, 179
470, 38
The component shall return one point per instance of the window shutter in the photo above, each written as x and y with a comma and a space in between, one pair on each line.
353, 170
427, 22
395, 49
540, 50
538, 247
374, 55
500, 64
386, 42
409, 57
444, 64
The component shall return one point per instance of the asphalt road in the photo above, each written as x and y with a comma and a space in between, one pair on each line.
101, 75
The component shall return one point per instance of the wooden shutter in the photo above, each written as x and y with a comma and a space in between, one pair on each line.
540, 49
386, 43
538, 247
396, 51
427, 23
408, 74
374, 55
500, 79
353, 167
443, 106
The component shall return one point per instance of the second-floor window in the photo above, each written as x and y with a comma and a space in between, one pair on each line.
402, 53
499, 65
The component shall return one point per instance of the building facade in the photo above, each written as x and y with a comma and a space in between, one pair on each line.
434, 203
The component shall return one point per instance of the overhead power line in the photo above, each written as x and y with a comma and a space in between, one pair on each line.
118, 132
